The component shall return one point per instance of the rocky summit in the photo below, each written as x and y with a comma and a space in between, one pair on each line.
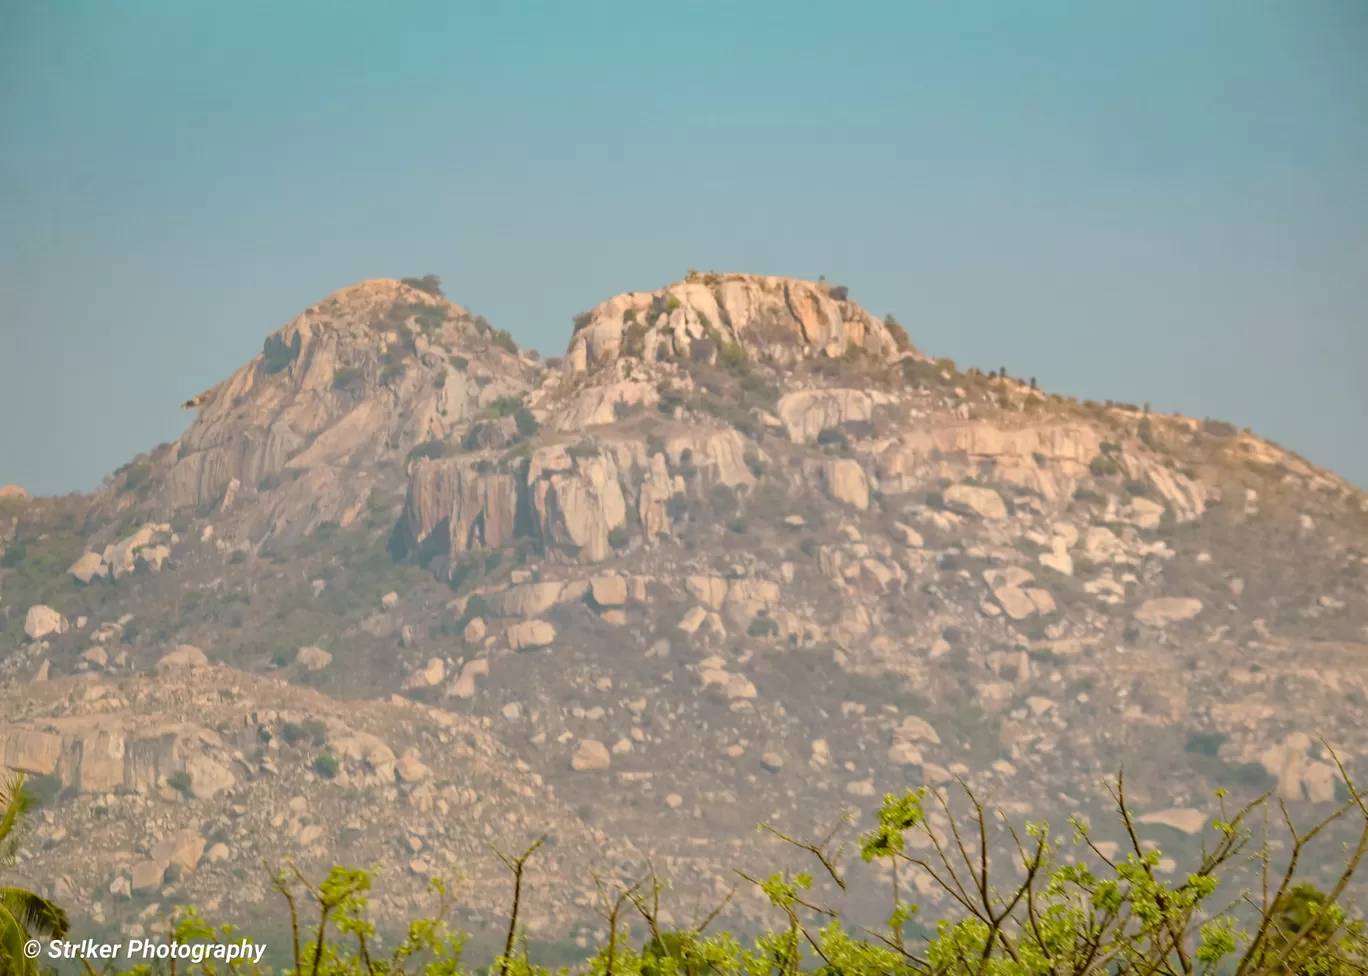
743, 553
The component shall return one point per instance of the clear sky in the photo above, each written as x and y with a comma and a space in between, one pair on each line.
1159, 201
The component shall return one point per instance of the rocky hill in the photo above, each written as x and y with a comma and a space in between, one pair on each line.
744, 553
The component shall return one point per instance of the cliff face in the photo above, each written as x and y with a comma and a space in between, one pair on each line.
745, 553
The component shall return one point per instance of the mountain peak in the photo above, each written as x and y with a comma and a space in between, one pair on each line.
782, 320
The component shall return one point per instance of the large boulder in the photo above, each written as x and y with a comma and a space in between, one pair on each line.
845, 481
313, 658
88, 567
609, 590
1167, 610
975, 500
43, 621
530, 634
184, 656
590, 755
183, 848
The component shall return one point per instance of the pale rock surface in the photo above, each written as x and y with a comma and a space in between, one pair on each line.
313, 658
1163, 611
975, 500
590, 755
42, 621
530, 634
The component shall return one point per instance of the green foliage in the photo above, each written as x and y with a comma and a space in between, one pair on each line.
526, 423
582, 320
326, 766
427, 283
618, 537
24, 914
476, 606
1103, 466
505, 406
900, 337
180, 781
45, 789
504, 340
429, 449
763, 625
1023, 902
732, 356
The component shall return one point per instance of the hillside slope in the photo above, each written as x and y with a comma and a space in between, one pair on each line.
744, 553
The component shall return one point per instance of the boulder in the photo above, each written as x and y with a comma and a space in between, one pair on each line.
313, 658
464, 685
184, 656
389, 601
975, 500
474, 631
711, 591
1300, 776
1015, 601
207, 777
531, 599
183, 848
429, 676
1187, 821
410, 768
12, 493
530, 634
43, 621
88, 567
1167, 610
845, 481
609, 591
693, 620
590, 754
146, 876
96, 656
152, 558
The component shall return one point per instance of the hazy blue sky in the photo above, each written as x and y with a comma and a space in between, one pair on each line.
1162, 201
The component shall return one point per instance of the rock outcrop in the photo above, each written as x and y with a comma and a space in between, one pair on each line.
367, 374
783, 319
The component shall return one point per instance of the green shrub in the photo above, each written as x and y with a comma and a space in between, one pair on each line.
427, 283
1205, 743
738, 525
900, 337
582, 320
345, 377
526, 423
732, 356
476, 606
935, 499
430, 449
505, 341
1103, 466
505, 406
326, 766
180, 782
618, 537
763, 626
